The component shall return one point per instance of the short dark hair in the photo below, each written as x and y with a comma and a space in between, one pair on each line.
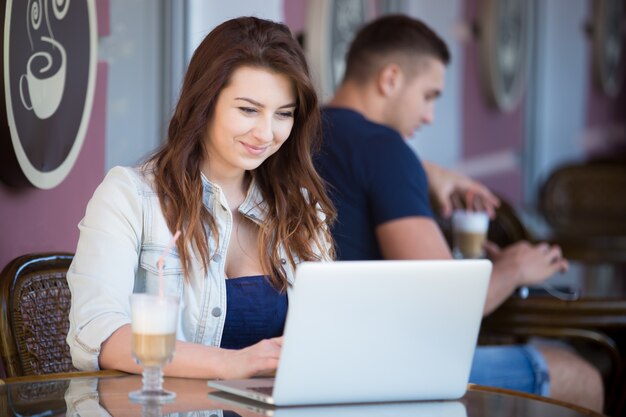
388, 36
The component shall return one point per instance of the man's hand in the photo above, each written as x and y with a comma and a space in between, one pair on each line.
453, 190
529, 264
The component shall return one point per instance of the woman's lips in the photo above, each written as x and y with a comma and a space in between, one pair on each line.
254, 150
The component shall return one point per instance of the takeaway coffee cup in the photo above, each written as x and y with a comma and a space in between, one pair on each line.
469, 232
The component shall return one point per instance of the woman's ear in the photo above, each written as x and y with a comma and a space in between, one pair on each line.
389, 79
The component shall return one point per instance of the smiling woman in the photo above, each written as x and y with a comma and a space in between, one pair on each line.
253, 118
236, 177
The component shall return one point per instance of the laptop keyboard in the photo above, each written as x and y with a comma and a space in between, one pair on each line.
262, 390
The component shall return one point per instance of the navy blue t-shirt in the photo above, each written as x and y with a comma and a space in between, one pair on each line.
373, 177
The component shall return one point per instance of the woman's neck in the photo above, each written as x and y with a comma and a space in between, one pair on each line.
234, 183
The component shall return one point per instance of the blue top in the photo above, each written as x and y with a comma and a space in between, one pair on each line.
255, 310
373, 177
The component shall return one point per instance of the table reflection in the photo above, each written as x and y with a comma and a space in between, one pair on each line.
108, 396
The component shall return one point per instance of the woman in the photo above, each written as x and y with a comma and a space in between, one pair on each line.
236, 177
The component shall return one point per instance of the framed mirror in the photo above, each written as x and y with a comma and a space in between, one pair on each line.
505, 30
331, 25
607, 36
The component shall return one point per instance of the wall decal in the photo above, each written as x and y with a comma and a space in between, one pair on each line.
49, 59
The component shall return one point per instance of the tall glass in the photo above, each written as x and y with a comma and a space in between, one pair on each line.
469, 233
154, 320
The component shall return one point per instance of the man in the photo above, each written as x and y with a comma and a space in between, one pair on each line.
395, 72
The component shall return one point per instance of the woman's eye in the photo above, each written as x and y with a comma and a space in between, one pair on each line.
248, 110
285, 114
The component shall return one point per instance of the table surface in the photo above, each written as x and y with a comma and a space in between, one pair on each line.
108, 395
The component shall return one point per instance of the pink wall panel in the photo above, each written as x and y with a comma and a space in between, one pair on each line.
35, 220
104, 17
294, 12
604, 115
485, 129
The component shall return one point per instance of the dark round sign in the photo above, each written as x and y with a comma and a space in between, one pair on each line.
505, 39
608, 45
50, 52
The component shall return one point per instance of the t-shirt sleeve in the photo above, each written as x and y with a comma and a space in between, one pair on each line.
397, 183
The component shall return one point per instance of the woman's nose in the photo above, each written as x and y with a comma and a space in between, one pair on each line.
263, 130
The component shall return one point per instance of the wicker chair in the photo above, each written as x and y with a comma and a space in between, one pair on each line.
34, 322
585, 206
586, 198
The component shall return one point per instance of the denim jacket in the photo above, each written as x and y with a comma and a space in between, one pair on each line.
122, 236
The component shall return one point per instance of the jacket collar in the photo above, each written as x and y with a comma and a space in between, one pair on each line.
253, 206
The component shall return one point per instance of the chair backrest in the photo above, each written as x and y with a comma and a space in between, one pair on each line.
586, 199
35, 301
506, 227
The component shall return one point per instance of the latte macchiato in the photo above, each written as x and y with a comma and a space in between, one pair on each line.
469, 232
154, 320
153, 349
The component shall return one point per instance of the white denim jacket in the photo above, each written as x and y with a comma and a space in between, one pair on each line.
122, 236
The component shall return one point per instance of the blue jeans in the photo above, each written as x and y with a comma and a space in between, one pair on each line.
517, 367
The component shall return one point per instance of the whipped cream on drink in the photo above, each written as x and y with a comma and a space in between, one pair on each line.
153, 322
469, 233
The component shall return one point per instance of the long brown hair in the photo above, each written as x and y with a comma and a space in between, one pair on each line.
289, 184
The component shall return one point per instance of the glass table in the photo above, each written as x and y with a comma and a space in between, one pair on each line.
107, 395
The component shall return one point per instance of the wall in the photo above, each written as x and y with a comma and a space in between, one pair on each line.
492, 140
205, 15
560, 85
34, 220
440, 142
133, 51
605, 117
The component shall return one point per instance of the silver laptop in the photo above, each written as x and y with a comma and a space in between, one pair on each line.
373, 331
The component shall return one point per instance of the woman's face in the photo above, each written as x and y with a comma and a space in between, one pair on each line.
253, 117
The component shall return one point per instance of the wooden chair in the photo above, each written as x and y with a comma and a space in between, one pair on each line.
35, 301
584, 204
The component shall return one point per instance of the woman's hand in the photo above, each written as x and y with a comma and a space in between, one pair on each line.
529, 264
454, 190
260, 359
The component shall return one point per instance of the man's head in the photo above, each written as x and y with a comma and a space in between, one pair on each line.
405, 60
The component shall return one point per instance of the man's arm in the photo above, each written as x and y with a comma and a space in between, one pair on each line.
415, 237
419, 237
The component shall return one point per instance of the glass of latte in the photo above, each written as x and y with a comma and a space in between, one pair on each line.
469, 232
154, 320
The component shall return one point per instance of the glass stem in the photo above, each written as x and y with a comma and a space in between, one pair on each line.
151, 410
152, 378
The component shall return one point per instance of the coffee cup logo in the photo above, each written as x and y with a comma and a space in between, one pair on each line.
49, 81
45, 87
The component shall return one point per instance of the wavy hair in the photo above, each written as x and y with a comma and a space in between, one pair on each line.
290, 186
